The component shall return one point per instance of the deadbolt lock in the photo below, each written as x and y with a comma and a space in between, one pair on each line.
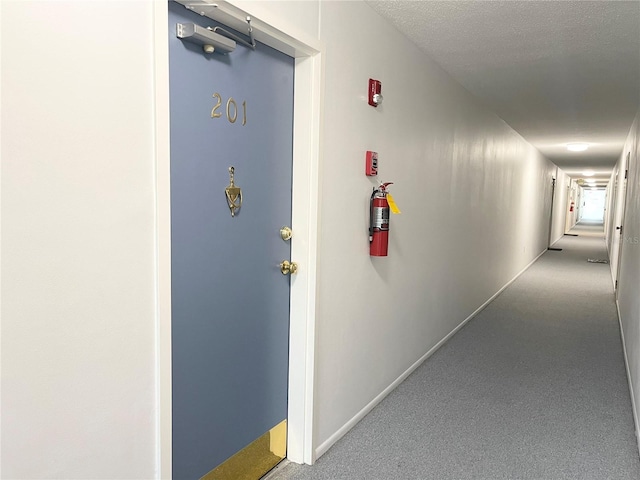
286, 233
288, 268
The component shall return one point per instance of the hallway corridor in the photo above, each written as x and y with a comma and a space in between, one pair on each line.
534, 387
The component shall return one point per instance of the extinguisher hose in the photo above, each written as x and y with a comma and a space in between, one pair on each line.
371, 215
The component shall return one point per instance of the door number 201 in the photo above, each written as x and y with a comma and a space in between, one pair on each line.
232, 109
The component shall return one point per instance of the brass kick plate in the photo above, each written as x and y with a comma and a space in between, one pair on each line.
256, 459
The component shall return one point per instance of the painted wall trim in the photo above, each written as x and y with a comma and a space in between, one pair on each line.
636, 420
304, 249
163, 459
1, 476
326, 445
306, 176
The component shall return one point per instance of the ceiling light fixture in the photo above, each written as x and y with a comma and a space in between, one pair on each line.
588, 173
577, 147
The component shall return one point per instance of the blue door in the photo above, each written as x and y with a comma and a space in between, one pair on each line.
230, 301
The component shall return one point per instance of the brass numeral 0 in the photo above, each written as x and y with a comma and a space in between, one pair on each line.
233, 118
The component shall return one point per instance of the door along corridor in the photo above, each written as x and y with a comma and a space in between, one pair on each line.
534, 387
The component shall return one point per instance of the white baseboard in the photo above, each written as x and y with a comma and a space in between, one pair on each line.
327, 444
634, 405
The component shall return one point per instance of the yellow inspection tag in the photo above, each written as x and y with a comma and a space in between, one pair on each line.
392, 204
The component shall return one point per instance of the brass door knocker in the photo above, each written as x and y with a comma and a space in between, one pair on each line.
234, 194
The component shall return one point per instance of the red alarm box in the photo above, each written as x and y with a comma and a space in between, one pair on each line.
371, 164
375, 92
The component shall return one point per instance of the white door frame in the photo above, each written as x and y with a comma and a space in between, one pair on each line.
308, 85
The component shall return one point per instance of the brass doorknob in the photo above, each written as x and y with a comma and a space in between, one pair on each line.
287, 267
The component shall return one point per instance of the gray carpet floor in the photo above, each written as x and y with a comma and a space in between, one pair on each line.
534, 387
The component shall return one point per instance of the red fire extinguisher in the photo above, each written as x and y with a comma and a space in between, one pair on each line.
379, 222
571, 206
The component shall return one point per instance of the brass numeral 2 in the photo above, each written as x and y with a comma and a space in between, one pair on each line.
232, 109
215, 114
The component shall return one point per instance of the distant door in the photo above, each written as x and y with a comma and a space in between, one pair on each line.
593, 204
230, 301
571, 207
620, 228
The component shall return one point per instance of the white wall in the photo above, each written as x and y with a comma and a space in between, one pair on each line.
78, 307
79, 233
475, 202
629, 278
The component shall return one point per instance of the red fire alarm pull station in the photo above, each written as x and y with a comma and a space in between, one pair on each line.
371, 164
375, 92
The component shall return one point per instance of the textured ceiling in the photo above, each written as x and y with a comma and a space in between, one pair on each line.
556, 71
